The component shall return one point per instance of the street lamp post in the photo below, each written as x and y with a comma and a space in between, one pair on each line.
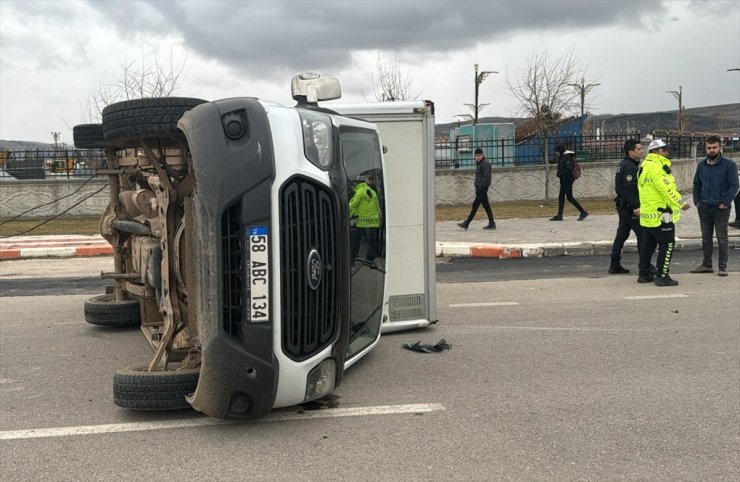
678, 94
480, 76
583, 89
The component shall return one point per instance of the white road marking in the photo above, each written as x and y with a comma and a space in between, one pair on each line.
497, 303
574, 328
655, 297
205, 422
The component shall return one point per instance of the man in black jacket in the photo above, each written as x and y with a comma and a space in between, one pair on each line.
628, 203
565, 174
482, 183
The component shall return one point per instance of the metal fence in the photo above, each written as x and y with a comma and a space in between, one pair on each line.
503, 152
50, 163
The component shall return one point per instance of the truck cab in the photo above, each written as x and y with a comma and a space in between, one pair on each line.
240, 249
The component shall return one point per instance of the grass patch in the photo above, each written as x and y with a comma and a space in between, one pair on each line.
82, 225
526, 209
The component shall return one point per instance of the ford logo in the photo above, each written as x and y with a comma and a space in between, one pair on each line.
314, 269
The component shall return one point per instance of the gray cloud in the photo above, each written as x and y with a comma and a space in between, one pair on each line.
269, 38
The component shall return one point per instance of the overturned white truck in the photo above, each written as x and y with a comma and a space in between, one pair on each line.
237, 251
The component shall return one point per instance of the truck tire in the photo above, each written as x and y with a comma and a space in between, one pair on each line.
139, 389
124, 123
88, 136
104, 311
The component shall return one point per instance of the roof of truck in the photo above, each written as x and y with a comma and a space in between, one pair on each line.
405, 107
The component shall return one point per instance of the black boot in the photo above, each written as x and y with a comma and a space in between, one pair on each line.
464, 224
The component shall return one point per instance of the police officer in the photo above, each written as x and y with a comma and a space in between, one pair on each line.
660, 208
365, 214
628, 203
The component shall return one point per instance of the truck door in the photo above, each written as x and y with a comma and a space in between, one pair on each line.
361, 155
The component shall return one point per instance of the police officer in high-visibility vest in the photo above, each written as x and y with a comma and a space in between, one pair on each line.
365, 215
660, 207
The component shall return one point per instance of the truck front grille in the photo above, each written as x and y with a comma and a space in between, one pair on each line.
231, 244
308, 221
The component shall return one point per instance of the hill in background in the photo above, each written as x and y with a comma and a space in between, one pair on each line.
716, 119
25, 145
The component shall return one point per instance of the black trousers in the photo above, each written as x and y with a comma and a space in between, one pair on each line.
370, 235
481, 198
627, 222
664, 237
566, 190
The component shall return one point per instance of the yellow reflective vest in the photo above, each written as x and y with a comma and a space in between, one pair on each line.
364, 207
658, 191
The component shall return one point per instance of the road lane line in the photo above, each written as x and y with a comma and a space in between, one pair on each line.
205, 422
497, 303
654, 297
573, 328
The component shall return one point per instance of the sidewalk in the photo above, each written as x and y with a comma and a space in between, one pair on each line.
513, 238
540, 237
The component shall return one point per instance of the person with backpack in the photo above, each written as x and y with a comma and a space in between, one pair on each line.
568, 172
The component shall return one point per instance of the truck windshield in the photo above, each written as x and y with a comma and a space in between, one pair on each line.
360, 151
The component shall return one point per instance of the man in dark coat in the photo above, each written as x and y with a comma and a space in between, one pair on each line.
565, 174
628, 203
715, 186
482, 183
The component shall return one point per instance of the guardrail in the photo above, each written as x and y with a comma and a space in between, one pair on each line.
458, 154
50, 163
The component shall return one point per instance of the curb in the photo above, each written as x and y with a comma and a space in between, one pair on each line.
54, 247
87, 246
550, 250
57, 252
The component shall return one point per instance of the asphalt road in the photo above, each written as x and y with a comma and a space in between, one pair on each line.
557, 371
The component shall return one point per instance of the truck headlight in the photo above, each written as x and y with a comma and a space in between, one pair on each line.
320, 380
317, 138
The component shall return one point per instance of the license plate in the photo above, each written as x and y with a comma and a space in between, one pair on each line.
258, 274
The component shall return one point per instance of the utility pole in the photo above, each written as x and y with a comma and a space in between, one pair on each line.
480, 76
583, 88
678, 94
55, 136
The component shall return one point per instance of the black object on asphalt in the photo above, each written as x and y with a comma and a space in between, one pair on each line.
426, 347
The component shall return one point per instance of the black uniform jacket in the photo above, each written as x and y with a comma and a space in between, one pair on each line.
625, 184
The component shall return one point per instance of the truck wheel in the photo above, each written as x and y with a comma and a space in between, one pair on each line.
124, 123
103, 310
139, 389
88, 136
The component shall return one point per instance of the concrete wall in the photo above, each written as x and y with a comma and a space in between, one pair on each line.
455, 186
19, 196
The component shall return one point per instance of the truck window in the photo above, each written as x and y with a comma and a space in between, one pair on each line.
360, 151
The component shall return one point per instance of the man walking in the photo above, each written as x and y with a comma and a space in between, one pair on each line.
715, 185
565, 174
628, 203
482, 183
660, 208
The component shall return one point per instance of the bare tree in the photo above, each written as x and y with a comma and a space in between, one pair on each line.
134, 82
545, 94
390, 82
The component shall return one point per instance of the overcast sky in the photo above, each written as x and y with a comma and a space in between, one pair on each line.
53, 54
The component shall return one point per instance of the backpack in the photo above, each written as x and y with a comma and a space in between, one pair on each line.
576, 169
